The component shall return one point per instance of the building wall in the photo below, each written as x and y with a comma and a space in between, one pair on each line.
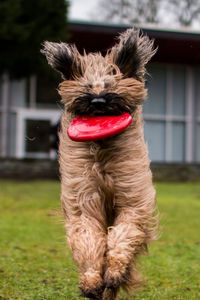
171, 114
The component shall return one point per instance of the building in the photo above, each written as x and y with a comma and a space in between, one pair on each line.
29, 107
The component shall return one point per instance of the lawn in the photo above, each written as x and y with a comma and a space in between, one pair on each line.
36, 264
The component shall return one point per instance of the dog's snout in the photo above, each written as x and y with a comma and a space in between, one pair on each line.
98, 101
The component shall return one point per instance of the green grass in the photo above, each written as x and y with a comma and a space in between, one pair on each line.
36, 264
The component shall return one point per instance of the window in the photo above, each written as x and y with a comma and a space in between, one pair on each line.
165, 113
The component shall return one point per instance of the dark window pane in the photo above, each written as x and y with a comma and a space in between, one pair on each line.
178, 141
38, 136
178, 95
156, 102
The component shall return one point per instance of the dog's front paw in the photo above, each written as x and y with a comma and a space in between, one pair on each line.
91, 285
113, 278
116, 271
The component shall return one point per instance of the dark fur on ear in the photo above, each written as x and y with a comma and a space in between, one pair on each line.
132, 53
63, 58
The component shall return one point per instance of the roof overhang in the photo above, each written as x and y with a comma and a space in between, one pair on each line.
174, 46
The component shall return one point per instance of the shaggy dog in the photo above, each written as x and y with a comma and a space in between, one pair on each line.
107, 194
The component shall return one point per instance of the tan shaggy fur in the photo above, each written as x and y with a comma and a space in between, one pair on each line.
107, 194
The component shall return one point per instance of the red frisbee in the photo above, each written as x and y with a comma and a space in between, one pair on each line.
93, 128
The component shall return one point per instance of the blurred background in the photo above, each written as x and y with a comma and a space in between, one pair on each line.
29, 104
34, 260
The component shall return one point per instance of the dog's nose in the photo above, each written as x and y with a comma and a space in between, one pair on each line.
98, 101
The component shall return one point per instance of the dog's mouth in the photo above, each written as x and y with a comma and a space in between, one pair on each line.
109, 104
98, 117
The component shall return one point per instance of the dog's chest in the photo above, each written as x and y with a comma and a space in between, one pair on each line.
102, 178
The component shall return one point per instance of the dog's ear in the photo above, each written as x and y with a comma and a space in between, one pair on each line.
132, 53
63, 57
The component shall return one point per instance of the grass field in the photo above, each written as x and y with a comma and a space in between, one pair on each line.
35, 263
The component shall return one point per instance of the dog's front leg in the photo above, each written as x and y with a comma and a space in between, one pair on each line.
87, 239
124, 242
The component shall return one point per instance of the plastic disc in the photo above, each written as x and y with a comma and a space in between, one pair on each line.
92, 128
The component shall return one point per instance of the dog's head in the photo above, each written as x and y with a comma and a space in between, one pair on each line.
98, 85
